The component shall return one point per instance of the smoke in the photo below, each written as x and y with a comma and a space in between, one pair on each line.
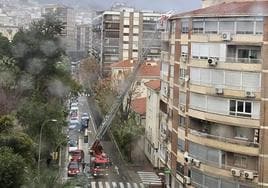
6, 78
48, 48
57, 88
35, 66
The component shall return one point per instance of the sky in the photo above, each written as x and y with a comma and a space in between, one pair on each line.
159, 5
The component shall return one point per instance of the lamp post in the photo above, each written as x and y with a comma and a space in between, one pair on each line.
39, 146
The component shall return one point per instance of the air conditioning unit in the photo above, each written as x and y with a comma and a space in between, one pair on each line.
196, 163
182, 108
236, 172
250, 94
212, 62
226, 36
187, 158
249, 175
219, 90
187, 180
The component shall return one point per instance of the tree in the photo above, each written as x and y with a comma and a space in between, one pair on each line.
5, 46
126, 132
12, 168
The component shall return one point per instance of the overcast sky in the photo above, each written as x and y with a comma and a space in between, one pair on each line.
162, 5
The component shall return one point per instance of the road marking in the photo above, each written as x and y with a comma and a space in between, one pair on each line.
114, 184
100, 184
135, 185
128, 185
121, 185
93, 184
107, 184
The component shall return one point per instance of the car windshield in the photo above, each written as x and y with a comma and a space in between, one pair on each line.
73, 165
72, 143
101, 165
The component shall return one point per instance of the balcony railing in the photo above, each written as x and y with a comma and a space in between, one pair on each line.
242, 60
164, 36
235, 140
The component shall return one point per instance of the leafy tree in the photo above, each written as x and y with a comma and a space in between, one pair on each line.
12, 168
5, 46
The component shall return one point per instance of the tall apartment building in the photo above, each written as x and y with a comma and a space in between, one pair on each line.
214, 97
66, 15
124, 34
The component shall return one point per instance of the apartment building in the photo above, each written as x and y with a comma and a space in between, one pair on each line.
213, 103
66, 15
147, 72
125, 33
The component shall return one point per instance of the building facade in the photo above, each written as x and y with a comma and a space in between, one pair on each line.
207, 3
66, 15
152, 141
124, 34
214, 97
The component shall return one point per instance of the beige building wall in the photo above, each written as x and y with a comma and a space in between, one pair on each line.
152, 126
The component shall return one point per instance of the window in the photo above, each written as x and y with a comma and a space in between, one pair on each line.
182, 73
240, 161
226, 26
211, 27
245, 27
181, 145
198, 27
259, 28
171, 71
184, 27
173, 26
240, 108
182, 98
182, 121
184, 50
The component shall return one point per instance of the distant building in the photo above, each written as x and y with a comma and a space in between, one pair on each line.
207, 3
66, 15
124, 34
214, 97
121, 70
9, 31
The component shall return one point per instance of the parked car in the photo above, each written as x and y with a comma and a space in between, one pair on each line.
85, 116
72, 145
74, 123
73, 168
77, 155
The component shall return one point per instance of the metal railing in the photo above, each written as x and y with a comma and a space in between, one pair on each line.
243, 60
238, 140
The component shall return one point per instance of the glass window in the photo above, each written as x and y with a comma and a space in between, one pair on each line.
245, 27
182, 121
240, 108
240, 161
198, 27
259, 28
211, 27
184, 27
182, 73
181, 145
248, 107
226, 26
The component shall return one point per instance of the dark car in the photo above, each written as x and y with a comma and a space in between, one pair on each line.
77, 155
73, 168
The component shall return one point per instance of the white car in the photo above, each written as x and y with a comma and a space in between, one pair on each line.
72, 145
73, 123
85, 116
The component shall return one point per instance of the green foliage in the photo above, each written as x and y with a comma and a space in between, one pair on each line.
6, 124
126, 132
12, 168
5, 46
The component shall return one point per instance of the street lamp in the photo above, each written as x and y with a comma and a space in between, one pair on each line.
40, 142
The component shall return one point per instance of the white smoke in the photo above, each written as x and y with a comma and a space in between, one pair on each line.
57, 88
35, 66
48, 48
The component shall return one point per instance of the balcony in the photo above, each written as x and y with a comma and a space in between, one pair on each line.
226, 144
243, 60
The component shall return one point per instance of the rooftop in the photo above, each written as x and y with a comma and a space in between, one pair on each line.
147, 69
153, 84
139, 105
247, 8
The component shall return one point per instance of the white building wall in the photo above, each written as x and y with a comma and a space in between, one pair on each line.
152, 126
